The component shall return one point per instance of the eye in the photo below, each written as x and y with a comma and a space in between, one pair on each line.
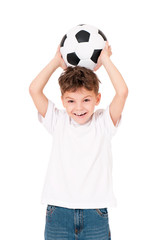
87, 100
70, 101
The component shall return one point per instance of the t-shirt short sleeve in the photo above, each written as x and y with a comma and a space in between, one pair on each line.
50, 118
108, 123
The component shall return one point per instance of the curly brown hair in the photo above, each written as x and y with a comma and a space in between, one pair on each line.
73, 78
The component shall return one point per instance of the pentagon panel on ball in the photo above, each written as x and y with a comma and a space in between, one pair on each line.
82, 45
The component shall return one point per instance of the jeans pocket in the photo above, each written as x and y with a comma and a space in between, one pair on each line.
49, 211
103, 212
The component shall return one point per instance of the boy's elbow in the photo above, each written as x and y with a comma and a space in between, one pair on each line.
124, 93
31, 89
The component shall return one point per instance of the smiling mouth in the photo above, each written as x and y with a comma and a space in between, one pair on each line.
81, 115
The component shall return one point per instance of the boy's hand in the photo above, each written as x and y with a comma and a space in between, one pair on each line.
59, 60
105, 53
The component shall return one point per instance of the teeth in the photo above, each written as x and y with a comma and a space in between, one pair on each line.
80, 114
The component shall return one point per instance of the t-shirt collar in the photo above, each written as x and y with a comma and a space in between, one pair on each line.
73, 122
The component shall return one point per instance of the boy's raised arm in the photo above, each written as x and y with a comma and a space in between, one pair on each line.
118, 102
37, 85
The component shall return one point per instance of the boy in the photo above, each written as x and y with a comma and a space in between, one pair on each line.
78, 187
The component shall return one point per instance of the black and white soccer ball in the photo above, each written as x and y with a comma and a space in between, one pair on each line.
82, 45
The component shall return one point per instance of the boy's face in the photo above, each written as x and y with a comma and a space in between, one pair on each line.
80, 102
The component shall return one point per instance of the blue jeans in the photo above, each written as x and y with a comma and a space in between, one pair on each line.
76, 224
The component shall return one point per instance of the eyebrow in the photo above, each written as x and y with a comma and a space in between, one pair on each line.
83, 98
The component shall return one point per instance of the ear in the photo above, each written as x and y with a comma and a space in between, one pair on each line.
98, 98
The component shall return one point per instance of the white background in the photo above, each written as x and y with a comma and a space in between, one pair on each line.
30, 33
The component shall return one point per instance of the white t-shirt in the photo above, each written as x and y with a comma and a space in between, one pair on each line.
79, 173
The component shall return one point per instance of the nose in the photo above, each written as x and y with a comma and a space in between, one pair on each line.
79, 106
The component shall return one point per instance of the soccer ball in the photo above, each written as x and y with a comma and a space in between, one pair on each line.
82, 45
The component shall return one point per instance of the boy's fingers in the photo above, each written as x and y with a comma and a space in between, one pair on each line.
97, 67
58, 48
